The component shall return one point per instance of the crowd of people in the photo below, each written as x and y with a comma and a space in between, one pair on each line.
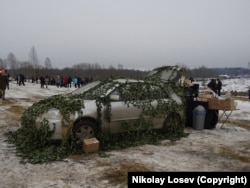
76, 81
66, 81
59, 81
43, 80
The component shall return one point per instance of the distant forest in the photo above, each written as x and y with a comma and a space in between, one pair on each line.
97, 73
204, 72
33, 68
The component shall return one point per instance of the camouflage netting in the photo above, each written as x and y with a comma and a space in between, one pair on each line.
34, 145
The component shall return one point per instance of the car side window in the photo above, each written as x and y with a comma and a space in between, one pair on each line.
146, 91
138, 91
155, 93
116, 95
130, 90
165, 95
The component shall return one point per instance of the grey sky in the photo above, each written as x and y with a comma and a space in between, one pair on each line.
135, 33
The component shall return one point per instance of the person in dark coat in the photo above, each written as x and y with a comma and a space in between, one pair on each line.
4, 83
219, 87
70, 81
79, 82
212, 85
42, 81
21, 79
249, 93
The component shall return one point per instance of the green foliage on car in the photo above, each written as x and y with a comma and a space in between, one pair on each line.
34, 144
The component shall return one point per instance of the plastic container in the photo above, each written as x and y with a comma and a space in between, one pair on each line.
199, 114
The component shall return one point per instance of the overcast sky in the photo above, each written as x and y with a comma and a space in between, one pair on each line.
139, 34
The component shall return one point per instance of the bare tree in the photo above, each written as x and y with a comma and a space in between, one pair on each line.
120, 66
87, 66
47, 63
111, 67
25, 64
34, 59
11, 60
2, 64
25, 67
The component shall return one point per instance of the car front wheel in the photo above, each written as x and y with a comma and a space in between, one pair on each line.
172, 122
84, 129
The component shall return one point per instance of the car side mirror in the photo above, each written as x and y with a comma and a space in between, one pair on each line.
115, 97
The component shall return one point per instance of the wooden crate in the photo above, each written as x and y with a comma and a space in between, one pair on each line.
221, 104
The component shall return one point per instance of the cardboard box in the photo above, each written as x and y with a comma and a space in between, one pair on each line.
228, 104
204, 97
90, 145
213, 104
221, 104
201, 99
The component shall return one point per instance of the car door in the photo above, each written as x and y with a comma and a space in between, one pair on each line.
121, 111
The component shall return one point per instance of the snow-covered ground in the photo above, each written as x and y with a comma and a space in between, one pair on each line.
225, 148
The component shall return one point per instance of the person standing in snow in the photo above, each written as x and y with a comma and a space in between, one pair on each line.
46, 81
212, 85
75, 81
219, 87
21, 79
42, 81
249, 93
4, 83
69, 80
58, 81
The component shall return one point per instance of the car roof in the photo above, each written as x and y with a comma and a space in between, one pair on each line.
126, 80
96, 83
166, 73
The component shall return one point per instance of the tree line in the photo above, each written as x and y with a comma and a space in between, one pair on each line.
33, 68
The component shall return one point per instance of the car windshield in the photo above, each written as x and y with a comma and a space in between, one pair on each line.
101, 89
128, 90
93, 90
85, 88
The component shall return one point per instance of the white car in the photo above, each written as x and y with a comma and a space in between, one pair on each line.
111, 105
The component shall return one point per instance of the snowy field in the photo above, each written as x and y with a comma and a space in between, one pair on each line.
225, 148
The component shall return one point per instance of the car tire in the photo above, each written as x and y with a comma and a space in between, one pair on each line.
172, 120
84, 129
211, 119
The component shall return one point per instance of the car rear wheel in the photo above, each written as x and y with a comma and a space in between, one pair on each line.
84, 129
172, 122
211, 119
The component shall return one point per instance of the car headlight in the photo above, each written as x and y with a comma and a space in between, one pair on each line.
54, 118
